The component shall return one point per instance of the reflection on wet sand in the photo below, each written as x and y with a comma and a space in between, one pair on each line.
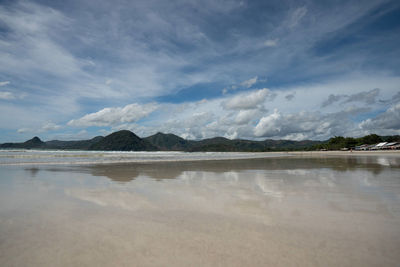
300, 211
170, 170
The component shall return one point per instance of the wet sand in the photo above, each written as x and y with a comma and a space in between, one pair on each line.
303, 210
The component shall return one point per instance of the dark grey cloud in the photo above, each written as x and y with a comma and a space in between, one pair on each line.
367, 97
332, 99
394, 99
290, 97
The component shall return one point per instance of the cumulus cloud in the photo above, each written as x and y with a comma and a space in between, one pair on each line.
252, 100
246, 116
388, 120
114, 116
46, 127
195, 126
306, 124
50, 126
269, 125
249, 83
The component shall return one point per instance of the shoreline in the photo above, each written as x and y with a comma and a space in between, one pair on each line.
348, 153
115, 157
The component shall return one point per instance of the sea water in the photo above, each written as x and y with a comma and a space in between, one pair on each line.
22, 157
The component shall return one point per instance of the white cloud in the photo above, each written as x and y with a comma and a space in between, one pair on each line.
4, 83
310, 125
50, 126
62, 57
249, 100
114, 116
388, 120
24, 130
296, 16
194, 126
32, 24
271, 42
268, 125
250, 82
246, 116
7, 95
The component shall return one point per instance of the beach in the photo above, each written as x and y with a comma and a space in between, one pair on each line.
272, 209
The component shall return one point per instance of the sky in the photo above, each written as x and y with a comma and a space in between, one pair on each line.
255, 70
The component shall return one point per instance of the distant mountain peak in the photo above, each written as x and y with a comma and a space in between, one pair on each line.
123, 140
167, 141
34, 141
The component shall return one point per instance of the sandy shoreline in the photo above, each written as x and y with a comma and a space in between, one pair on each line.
347, 153
30, 157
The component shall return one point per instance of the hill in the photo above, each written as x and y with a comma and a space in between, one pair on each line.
53, 144
35, 142
236, 145
122, 141
168, 142
127, 141
79, 145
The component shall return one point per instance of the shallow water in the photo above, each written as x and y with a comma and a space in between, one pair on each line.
62, 157
277, 211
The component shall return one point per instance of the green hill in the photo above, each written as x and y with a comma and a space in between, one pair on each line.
123, 141
237, 145
35, 142
168, 142
79, 145
127, 141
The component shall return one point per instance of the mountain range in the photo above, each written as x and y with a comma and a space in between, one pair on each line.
125, 140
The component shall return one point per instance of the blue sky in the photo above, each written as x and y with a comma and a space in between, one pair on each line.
239, 69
